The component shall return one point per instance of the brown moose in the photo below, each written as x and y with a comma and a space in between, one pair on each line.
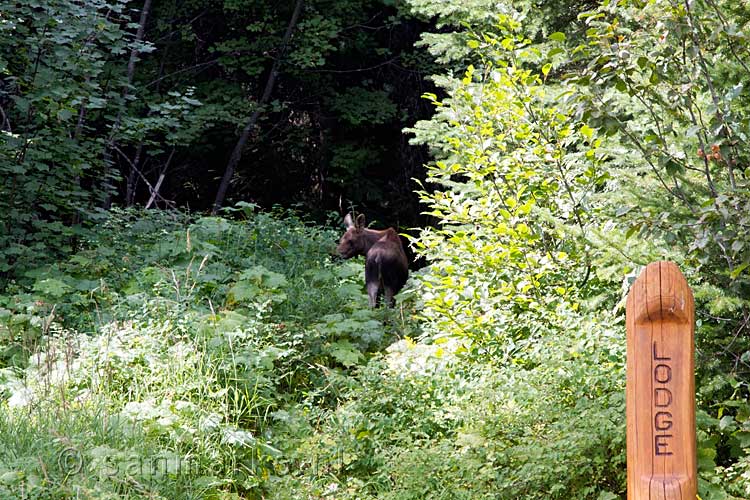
386, 265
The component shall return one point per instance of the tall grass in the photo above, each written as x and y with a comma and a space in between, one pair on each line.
158, 360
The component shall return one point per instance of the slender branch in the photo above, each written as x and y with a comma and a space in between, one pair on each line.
234, 159
649, 106
702, 143
112, 141
5, 124
356, 70
179, 71
710, 84
138, 38
26, 142
140, 174
365, 24
169, 35
132, 181
81, 118
547, 136
162, 174
646, 156
731, 43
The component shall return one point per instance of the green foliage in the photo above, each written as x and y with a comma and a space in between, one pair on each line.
664, 83
517, 172
53, 65
349, 78
198, 330
579, 142
94, 110
564, 162
358, 105
422, 422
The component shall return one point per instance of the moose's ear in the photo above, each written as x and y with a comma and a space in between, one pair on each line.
348, 222
360, 221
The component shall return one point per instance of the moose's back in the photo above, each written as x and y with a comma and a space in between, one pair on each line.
386, 264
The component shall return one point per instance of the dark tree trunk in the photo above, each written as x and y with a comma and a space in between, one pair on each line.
236, 156
111, 143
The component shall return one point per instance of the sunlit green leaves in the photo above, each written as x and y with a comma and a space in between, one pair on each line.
257, 284
557, 36
504, 164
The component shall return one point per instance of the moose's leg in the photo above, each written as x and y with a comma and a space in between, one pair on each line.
372, 293
389, 296
372, 279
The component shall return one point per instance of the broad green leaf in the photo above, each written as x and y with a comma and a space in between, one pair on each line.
557, 36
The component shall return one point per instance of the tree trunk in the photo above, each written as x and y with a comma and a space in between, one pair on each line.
162, 175
234, 159
111, 143
132, 182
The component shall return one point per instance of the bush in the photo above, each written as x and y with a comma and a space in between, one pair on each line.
190, 337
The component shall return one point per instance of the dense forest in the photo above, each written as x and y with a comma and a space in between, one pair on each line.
174, 319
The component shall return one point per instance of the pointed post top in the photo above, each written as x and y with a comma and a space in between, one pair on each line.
660, 293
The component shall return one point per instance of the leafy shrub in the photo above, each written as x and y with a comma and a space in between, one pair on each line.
187, 337
424, 421
565, 162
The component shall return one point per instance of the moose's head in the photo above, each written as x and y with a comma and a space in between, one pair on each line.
354, 241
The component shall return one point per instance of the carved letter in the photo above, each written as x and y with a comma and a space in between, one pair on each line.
662, 374
662, 397
661, 443
657, 357
663, 421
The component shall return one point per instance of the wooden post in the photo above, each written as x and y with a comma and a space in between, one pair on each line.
661, 386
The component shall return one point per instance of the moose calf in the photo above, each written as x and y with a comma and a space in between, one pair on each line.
386, 265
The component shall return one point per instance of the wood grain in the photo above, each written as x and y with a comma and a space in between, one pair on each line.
660, 394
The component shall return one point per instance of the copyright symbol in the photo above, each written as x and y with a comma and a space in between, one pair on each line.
70, 461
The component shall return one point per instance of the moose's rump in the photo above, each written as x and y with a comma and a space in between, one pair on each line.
386, 262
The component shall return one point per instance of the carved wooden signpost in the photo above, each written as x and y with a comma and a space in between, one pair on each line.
661, 386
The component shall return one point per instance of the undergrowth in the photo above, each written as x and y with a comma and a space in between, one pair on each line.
157, 360
179, 357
